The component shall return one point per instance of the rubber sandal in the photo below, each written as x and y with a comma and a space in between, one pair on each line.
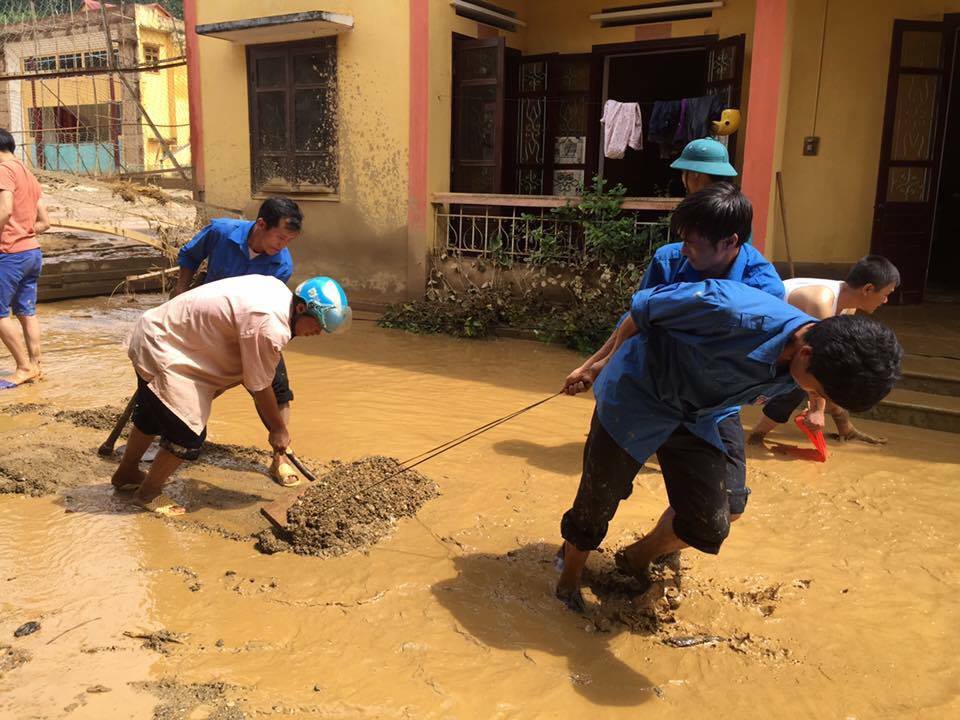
282, 473
163, 506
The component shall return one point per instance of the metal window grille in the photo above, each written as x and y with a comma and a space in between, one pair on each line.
515, 234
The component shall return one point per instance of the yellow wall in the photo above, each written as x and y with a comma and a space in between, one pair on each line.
165, 96
830, 197
360, 237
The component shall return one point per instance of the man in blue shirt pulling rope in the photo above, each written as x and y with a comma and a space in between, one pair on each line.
715, 222
686, 354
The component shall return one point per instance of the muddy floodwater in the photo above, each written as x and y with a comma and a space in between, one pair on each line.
836, 595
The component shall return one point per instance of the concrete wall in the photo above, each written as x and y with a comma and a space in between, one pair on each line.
830, 197
358, 236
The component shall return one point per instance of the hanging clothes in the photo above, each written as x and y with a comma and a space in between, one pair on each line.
700, 113
622, 127
663, 124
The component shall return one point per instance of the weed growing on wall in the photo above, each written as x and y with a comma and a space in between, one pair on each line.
581, 266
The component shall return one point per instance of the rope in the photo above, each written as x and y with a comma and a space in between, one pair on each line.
439, 450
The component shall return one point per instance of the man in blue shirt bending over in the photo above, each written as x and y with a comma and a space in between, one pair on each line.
244, 247
685, 353
714, 223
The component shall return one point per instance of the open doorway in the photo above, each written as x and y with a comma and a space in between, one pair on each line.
943, 280
644, 77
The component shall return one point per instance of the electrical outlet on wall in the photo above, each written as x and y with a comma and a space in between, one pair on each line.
811, 145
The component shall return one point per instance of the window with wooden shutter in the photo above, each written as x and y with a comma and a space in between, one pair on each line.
293, 117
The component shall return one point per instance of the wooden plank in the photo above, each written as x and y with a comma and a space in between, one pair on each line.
545, 201
126, 233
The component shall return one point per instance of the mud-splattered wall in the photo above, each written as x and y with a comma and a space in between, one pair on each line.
359, 234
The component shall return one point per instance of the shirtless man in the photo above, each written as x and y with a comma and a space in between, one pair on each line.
867, 287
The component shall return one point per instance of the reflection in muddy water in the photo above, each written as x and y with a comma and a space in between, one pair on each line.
835, 595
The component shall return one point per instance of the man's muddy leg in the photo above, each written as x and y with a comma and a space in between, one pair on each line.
278, 457
568, 586
660, 541
129, 476
31, 333
11, 335
162, 467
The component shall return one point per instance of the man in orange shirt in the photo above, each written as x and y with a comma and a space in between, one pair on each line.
22, 218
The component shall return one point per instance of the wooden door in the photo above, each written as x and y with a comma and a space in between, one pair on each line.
910, 154
725, 78
477, 162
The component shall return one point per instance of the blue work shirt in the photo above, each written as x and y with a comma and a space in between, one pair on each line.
223, 243
750, 267
700, 349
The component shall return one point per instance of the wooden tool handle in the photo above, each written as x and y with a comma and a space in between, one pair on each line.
299, 465
107, 447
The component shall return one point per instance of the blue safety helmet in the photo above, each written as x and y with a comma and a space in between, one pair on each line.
327, 302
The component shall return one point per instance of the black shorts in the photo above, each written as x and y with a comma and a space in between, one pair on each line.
281, 384
779, 408
152, 417
705, 486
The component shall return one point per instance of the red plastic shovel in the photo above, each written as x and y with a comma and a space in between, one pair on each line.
815, 437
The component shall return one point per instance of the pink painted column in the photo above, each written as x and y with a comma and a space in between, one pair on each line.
193, 96
418, 146
769, 38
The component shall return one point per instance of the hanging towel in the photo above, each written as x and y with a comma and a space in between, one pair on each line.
622, 126
663, 124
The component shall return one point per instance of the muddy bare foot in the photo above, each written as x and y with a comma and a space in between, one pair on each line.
572, 598
756, 438
852, 434
669, 560
127, 481
626, 566
22, 376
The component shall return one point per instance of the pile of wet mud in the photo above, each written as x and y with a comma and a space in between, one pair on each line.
179, 701
337, 514
654, 607
11, 658
40, 469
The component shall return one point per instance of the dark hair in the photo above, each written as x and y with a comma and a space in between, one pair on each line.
855, 358
716, 212
275, 209
875, 270
7, 143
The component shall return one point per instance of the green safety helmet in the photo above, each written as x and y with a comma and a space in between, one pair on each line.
705, 156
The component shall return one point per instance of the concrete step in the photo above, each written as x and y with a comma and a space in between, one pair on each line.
920, 409
935, 375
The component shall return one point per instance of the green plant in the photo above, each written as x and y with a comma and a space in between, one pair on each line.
558, 293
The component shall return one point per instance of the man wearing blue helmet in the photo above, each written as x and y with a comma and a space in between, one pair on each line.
233, 248
191, 349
